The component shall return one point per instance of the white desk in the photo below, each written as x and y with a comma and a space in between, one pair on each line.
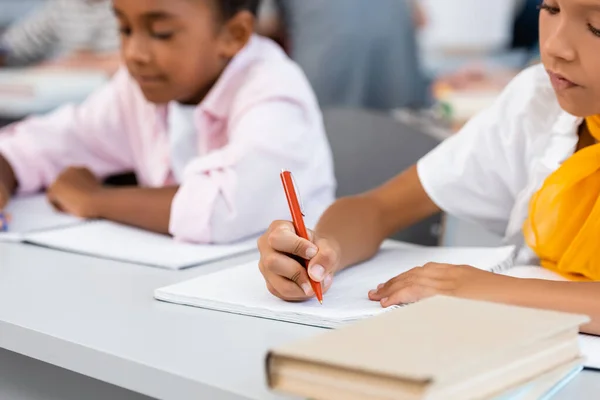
99, 319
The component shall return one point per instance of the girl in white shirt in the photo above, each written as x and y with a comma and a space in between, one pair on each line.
528, 167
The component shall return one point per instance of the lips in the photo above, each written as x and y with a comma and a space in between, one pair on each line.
560, 82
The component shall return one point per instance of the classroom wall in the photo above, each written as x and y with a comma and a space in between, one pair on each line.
453, 37
11, 10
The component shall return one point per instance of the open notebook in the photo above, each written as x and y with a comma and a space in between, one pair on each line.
32, 214
242, 289
104, 239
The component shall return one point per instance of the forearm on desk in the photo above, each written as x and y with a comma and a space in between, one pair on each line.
359, 224
7, 175
145, 208
571, 297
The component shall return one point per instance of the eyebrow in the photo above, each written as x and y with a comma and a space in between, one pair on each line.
592, 6
152, 15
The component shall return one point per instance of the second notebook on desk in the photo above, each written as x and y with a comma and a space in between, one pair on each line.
104, 239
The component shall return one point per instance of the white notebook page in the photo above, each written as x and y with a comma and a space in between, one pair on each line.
113, 241
590, 347
33, 213
242, 289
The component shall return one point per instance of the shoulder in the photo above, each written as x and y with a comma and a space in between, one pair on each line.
270, 75
529, 101
526, 110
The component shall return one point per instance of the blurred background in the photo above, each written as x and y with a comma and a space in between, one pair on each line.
404, 74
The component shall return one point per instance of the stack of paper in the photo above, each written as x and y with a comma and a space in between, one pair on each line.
545, 386
590, 347
242, 289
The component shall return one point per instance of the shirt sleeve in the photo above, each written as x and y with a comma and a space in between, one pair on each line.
91, 135
236, 192
32, 38
477, 174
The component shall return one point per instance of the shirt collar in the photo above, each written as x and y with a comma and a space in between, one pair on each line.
218, 101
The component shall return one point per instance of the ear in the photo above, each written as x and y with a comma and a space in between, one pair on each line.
236, 33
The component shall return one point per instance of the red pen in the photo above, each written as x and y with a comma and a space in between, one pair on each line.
298, 220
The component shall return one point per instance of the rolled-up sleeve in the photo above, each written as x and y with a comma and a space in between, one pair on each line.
235, 192
476, 174
90, 135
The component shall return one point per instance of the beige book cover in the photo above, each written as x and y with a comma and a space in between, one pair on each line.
435, 343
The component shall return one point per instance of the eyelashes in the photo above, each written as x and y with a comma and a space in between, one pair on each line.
555, 10
551, 10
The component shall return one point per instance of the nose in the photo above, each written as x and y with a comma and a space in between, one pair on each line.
136, 49
557, 43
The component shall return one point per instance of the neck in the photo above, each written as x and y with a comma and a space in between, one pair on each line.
202, 93
593, 126
585, 137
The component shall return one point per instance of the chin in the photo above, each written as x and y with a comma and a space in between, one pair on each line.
576, 108
156, 96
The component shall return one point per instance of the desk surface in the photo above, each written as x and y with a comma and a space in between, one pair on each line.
99, 318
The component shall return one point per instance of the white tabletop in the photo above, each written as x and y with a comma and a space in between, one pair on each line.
98, 318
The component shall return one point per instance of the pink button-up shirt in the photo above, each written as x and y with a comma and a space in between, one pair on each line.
261, 116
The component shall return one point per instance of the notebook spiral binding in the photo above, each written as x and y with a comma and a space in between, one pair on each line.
506, 264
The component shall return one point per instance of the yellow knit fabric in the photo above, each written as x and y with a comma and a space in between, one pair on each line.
563, 227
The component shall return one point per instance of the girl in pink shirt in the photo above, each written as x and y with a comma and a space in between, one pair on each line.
206, 114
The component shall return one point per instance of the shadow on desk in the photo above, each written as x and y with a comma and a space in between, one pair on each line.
23, 378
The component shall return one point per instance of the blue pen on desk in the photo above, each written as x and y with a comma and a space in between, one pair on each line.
3, 222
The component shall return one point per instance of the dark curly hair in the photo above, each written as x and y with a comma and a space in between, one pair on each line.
229, 8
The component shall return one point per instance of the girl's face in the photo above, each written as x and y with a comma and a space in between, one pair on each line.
570, 50
177, 49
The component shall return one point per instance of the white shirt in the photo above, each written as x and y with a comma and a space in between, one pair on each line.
488, 172
183, 141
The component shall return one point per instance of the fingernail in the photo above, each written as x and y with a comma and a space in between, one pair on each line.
379, 286
317, 272
307, 289
311, 252
328, 280
372, 292
384, 300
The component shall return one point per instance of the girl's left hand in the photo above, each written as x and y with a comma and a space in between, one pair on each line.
442, 279
75, 192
